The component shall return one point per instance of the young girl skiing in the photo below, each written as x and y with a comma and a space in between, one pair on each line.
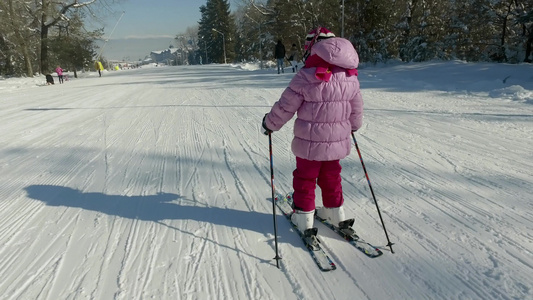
293, 58
326, 97
59, 72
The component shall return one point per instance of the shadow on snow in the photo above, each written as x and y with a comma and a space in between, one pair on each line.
156, 208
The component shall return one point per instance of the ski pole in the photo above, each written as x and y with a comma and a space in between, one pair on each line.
372, 191
277, 258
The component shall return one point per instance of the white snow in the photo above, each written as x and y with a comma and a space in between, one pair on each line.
154, 183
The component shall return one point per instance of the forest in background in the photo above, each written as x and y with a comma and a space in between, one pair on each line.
381, 30
35, 35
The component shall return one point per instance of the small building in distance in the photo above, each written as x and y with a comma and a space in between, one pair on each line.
168, 56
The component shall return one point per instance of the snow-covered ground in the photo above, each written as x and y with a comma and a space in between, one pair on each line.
154, 183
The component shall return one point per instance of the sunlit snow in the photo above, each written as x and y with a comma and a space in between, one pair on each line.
154, 183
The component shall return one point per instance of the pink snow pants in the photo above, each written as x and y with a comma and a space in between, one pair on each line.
307, 174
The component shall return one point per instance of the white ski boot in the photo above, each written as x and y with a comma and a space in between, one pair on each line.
333, 215
304, 222
303, 219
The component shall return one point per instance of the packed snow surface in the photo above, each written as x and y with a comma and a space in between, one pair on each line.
154, 183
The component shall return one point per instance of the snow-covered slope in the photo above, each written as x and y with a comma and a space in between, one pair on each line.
155, 184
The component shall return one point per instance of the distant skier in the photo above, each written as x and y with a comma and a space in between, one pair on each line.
98, 66
294, 57
279, 53
326, 97
59, 72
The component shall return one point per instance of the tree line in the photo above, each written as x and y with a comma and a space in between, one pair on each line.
381, 30
36, 35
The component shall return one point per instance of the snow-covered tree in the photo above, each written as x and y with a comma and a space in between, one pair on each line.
217, 31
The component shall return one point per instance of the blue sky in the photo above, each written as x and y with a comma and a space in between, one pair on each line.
147, 18
148, 25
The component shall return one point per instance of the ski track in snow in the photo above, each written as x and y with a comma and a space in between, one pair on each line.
155, 184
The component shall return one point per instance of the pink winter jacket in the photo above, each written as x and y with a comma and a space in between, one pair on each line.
327, 111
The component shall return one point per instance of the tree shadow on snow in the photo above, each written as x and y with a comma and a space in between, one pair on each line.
154, 208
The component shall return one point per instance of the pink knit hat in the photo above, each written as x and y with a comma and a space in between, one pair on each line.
315, 35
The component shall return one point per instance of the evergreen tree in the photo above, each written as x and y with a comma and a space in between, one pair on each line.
370, 28
217, 31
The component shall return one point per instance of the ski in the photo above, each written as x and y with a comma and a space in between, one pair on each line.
318, 254
347, 233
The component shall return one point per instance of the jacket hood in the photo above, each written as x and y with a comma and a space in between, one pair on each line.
337, 51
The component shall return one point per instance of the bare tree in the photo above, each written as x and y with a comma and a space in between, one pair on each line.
51, 14
21, 34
